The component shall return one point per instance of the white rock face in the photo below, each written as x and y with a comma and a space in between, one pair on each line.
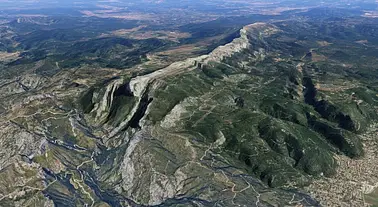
107, 99
139, 84
237, 45
127, 166
163, 187
221, 139
170, 120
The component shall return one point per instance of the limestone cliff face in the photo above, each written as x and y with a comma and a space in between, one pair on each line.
237, 45
252, 32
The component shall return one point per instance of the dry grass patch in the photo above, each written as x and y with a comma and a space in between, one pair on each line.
362, 41
323, 43
5, 56
318, 57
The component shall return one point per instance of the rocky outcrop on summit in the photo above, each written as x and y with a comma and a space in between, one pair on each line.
252, 32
